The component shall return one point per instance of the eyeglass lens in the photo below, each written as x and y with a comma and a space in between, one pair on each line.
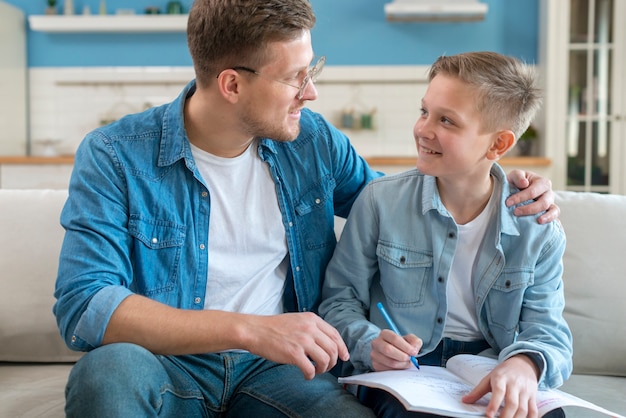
312, 75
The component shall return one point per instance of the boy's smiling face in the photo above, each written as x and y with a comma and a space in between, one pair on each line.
448, 135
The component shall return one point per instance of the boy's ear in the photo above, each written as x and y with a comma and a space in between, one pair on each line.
503, 142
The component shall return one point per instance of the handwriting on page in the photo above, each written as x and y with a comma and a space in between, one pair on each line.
471, 368
452, 390
433, 387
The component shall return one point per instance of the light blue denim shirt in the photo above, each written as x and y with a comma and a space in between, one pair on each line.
397, 247
137, 216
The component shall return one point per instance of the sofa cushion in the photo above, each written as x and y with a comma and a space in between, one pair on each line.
605, 391
595, 279
33, 390
30, 241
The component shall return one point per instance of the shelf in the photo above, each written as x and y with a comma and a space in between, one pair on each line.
108, 23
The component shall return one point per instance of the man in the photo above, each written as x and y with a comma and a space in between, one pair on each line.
192, 227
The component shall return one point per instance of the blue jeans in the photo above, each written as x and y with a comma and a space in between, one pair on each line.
387, 406
126, 380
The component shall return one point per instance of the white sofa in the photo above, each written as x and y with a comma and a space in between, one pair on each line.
34, 362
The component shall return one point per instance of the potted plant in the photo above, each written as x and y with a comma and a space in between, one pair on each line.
525, 142
52, 7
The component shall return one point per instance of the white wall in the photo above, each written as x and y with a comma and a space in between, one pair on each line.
66, 103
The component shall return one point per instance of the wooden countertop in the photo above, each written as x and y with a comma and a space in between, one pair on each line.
507, 161
22, 159
375, 161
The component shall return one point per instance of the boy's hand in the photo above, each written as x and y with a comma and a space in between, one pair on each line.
533, 187
513, 384
391, 351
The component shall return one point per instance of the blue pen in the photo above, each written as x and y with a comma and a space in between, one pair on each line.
394, 328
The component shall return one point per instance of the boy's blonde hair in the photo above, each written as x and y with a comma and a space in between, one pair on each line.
507, 95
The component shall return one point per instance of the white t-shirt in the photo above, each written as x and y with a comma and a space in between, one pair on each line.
462, 320
248, 257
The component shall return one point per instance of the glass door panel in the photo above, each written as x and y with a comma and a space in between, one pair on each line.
589, 113
579, 22
600, 166
576, 153
602, 80
588, 161
578, 94
603, 24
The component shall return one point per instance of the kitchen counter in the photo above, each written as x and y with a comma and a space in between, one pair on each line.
375, 161
506, 162
40, 172
22, 159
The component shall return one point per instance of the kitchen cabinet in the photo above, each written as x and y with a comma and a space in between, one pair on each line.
583, 61
108, 23
19, 172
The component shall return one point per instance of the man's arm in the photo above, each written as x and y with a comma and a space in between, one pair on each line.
533, 187
301, 339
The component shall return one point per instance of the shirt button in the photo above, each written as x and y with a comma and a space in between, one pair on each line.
402, 259
298, 268
155, 240
196, 300
317, 201
451, 235
204, 194
440, 279
202, 246
290, 224
439, 320
73, 339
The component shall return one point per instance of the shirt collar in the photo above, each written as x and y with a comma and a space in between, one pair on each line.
508, 222
174, 141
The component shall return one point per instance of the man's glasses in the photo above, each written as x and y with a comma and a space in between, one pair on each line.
311, 75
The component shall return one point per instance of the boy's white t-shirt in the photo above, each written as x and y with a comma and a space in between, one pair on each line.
462, 320
248, 256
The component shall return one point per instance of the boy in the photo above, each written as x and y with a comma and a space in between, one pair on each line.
457, 271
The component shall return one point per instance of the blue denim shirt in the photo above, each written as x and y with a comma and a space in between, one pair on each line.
397, 247
137, 216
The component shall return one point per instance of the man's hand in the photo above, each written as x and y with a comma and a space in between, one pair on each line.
390, 351
533, 187
514, 382
302, 339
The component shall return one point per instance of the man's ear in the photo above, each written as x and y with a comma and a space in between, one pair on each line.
503, 141
228, 85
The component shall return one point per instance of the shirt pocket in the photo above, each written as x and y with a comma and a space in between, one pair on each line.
315, 211
404, 272
506, 297
156, 254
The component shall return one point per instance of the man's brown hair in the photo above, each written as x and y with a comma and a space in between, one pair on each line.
227, 33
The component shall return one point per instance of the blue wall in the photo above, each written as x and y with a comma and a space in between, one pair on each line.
348, 32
